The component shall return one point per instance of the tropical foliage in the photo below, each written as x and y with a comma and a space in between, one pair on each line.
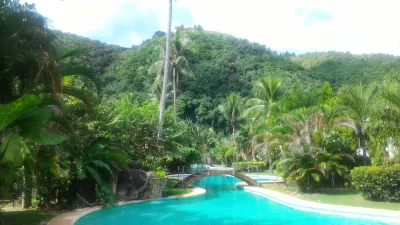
74, 112
378, 182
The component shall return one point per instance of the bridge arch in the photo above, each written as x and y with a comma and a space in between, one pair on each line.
196, 176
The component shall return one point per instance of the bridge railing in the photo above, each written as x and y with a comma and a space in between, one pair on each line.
254, 172
184, 171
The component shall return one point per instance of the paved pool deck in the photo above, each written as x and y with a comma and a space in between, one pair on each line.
69, 218
386, 216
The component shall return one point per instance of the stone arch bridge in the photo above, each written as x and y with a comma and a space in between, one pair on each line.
196, 176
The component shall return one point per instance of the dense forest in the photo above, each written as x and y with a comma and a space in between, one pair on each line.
74, 111
221, 64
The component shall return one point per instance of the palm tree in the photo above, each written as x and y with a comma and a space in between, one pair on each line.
301, 166
358, 102
93, 162
266, 92
300, 126
246, 139
232, 110
179, 65
308, 166
385, 117
166, 70
27, 52
333, 164
273, 139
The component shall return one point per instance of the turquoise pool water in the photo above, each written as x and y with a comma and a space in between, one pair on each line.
223, 204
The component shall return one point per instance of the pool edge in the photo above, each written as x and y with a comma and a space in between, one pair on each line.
390, 216
69, 218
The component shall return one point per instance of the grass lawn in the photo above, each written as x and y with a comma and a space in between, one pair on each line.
349, 197
170, 190
26, 217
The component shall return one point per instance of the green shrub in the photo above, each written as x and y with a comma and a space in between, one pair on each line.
246, 166
184, 157
160, 173
378, 182
106, 196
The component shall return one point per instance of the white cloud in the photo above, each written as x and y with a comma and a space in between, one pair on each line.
136, 39
85, 16
358, 26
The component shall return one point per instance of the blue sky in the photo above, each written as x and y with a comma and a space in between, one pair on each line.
357, 26
138, 26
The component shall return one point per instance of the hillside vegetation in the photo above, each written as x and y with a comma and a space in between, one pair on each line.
344, 68
75, 112
222, 64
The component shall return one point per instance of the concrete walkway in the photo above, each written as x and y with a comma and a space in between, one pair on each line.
347, 211
69, 218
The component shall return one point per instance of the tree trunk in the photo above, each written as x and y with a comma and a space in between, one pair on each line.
27, 187
234, 143
166, 70
365, 162
270, 169
233, 134
253, 140
174, 89
177, 78
364, 149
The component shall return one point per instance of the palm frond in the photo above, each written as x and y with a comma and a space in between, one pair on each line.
82, 95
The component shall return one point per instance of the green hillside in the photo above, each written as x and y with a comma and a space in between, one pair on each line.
222, 64
98, 54
344, 68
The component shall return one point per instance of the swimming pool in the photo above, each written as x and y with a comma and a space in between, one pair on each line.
223, 204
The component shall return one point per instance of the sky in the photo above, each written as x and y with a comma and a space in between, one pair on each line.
356, 26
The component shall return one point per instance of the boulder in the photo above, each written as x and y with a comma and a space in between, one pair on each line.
131, 184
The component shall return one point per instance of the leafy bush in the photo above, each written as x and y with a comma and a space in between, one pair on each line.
160, 173
191, 155
309, 167
105, 196
244, 166
184, 157
378, 182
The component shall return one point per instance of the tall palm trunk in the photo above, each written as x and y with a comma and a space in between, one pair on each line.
253, 146
27, 187
166, 70
363, 145
234, 142
270, 169
174, 87
177, 79
234, 133
253, 154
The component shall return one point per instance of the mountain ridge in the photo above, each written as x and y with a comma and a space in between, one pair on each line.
223, 64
